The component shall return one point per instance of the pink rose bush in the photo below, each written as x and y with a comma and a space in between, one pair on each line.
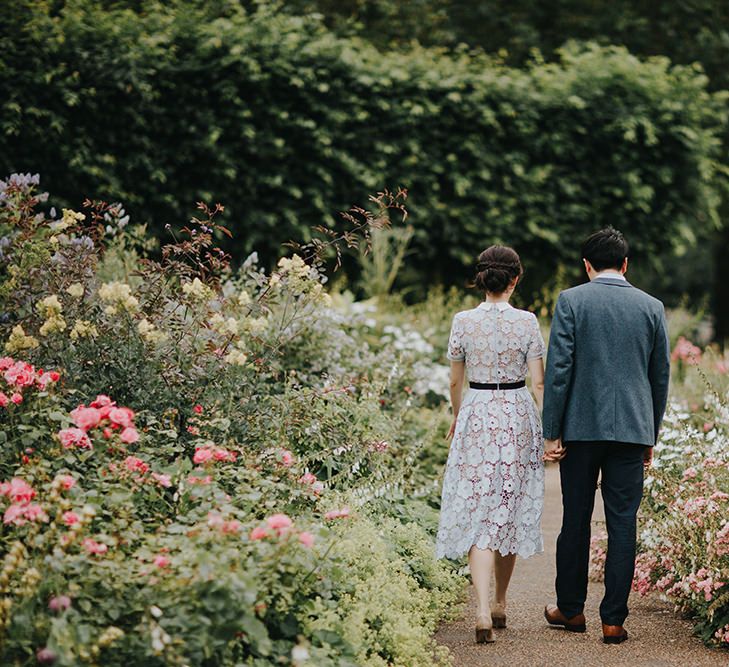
103, 415
18, 378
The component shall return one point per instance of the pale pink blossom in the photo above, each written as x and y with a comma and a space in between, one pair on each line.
94, 547
66, 481
206, 479
86, 418
129, 435
214, 520
74, 437
59, 603
162, 479
686, 351
4, 400
102, 401
122, 416
287, 458
337, 514
307, 539
17, 398
5, 363
15, 514
18, 490
202, 455
134, 464
279, 522
70, 518
307, 478
161, 561
258, 533
231, 526
708, 426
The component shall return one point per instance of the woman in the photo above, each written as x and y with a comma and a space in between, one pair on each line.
493, 488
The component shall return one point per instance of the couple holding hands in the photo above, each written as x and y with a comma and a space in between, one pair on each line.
602, 399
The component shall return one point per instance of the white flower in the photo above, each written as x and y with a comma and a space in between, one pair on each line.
76, 290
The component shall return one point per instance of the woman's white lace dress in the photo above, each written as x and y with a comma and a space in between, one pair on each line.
493, 487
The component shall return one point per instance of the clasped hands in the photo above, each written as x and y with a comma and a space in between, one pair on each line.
554, 450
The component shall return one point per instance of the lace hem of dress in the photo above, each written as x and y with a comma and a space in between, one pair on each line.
455, 552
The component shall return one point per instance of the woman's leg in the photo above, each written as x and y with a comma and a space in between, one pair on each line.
481, 565
503, 568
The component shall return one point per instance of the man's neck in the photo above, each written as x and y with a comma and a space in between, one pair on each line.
609, 273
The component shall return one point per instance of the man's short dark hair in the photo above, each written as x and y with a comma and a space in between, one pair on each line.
606, 249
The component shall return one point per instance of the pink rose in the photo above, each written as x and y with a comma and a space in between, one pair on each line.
15, 514
59, 603
70, 518
708, 426
214, 520
18, 490
107, 433
20, 374
232, 526
4, 400
129, 435
74, 437
307, 539
337, 514
198, 409
287, 458
161, 561
307, 478
101, 401
121, 416
279, 522
94, 547
86, 418
6, 362
55, 376
192, 479
202, 455
258, 533
35, 512
224, 455
162, 479
134, 464
66, 481
17, 398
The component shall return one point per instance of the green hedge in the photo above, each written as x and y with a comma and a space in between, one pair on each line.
285, 123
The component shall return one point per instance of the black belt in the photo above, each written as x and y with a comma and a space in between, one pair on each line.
497, 385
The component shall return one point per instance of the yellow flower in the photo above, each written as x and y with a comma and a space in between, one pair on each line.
119, 294
197, 290
256, 325
54, 324
83, 329
49, 306
19, 341
76, 290
236, 358
150, 333
244, 298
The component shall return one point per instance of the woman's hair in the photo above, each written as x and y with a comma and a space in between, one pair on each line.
497, 267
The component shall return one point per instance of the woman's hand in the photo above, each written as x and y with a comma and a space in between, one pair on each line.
452, 429
554, 450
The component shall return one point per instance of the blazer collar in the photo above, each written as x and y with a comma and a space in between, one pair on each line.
607, 280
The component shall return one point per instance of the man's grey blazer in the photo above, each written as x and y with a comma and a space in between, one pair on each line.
608, 365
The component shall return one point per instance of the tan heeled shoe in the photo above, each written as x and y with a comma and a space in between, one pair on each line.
484, 630
498, 616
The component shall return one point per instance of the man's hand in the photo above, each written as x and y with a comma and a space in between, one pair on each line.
647, 457
553, 450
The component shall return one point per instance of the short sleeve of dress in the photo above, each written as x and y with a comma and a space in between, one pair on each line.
536, 349
456, 350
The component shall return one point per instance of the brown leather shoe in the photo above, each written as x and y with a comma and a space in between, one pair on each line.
614, 634
555, 617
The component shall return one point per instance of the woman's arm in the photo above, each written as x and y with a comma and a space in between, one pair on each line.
536, 372
458, 374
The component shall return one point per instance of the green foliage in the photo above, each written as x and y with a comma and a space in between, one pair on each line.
254, 401
160, 105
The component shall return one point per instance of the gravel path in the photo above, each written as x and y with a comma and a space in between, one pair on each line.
658, 638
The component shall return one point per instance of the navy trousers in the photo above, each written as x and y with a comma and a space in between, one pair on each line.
621, 466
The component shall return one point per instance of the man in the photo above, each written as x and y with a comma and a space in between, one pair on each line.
606, 388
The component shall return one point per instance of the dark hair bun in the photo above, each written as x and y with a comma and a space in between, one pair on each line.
497, 267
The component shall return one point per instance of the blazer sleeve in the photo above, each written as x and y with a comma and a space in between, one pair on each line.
659, 371
560, 363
